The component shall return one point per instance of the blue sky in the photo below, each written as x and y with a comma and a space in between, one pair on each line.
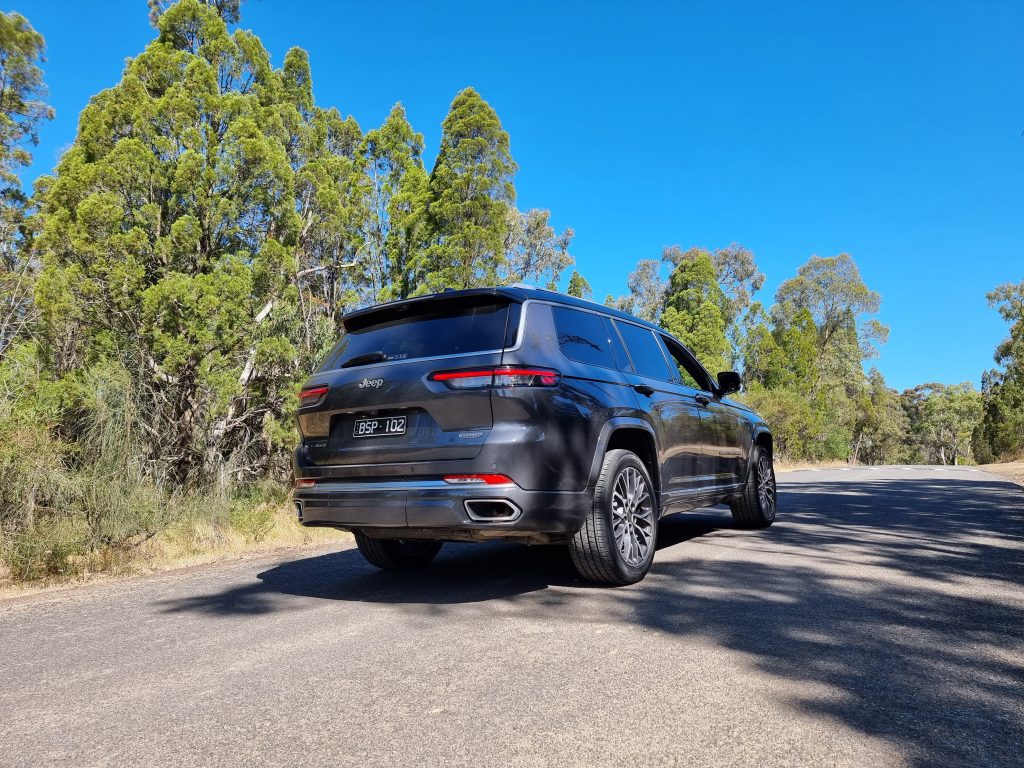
891, 131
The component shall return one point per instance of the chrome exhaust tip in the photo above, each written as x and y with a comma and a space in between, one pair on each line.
492, 510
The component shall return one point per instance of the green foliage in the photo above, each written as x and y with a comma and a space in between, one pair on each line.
812, 344
832, 290
1000, 434
736, 273
170, 243
578, 286
805, 426
534, 252
49, 546
229, 10
882, 427
22, 110
646, 297
943, 418
696, 312
253, 522
472, 193
392, 152
191, 259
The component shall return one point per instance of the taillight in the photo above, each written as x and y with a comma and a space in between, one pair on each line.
504, 376
305, 483
484, 479
311, 395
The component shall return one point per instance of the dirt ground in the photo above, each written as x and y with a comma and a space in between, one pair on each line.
1013, 470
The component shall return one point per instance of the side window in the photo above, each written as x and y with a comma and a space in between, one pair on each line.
582, 336
621, 358
690, 373
644, 349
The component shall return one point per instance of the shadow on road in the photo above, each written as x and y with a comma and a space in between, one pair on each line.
898, 602
462, 573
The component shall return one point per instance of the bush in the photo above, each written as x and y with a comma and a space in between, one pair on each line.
253, 522
52, 546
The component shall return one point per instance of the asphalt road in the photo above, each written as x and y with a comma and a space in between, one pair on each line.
879, 622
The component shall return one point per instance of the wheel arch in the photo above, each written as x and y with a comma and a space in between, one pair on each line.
633, 435
763, 439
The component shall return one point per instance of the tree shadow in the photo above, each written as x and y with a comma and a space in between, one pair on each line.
898, 602
462, 573
901, 598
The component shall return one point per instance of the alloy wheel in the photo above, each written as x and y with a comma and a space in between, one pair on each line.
766, 486
632, 517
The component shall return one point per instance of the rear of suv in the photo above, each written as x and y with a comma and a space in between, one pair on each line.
522, 414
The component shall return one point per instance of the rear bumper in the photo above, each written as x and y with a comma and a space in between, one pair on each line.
429, 507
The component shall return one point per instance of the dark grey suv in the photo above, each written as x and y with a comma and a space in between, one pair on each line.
522, 414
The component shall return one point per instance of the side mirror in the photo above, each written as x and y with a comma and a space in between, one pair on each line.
729, 382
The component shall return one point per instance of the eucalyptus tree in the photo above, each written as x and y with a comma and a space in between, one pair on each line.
1001, 431
534, 252
646, 297
943, 418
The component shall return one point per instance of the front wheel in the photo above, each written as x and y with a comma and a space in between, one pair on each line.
396, 554
616, 543
755, 506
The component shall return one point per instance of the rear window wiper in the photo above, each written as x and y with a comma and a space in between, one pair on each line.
366, 357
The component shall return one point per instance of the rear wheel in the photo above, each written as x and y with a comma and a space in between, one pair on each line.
616, 543
396, 554
755, 507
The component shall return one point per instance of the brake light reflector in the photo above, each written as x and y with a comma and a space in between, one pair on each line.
504, 376
305, 483
307, 396
484, 479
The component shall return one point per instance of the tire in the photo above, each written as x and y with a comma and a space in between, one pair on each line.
617, 541
756, 505
396, 554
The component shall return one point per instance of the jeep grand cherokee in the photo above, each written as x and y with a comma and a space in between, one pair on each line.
521, 414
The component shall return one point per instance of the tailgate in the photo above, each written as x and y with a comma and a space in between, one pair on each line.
382, 407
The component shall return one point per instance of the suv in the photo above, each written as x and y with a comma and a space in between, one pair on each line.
521, 414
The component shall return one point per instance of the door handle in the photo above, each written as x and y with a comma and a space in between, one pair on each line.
643, 389
702, 399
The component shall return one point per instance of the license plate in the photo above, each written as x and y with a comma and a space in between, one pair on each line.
382, 427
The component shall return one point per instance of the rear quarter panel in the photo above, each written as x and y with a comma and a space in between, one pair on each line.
561, 427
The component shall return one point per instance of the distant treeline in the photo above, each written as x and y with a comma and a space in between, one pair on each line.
167, 289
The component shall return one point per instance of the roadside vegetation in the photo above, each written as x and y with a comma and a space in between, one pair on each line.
167, 288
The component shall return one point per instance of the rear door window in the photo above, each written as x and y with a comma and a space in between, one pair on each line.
431, 329
621, 358
645, 351
583, 336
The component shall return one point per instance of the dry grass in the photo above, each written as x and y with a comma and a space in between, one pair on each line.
185, 543
1013, 470
781, 465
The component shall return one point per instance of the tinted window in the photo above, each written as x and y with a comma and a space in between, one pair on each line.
690, 373
644, 349
428, 330
583, 336
621, 358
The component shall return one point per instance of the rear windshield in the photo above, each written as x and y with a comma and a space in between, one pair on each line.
430, 329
